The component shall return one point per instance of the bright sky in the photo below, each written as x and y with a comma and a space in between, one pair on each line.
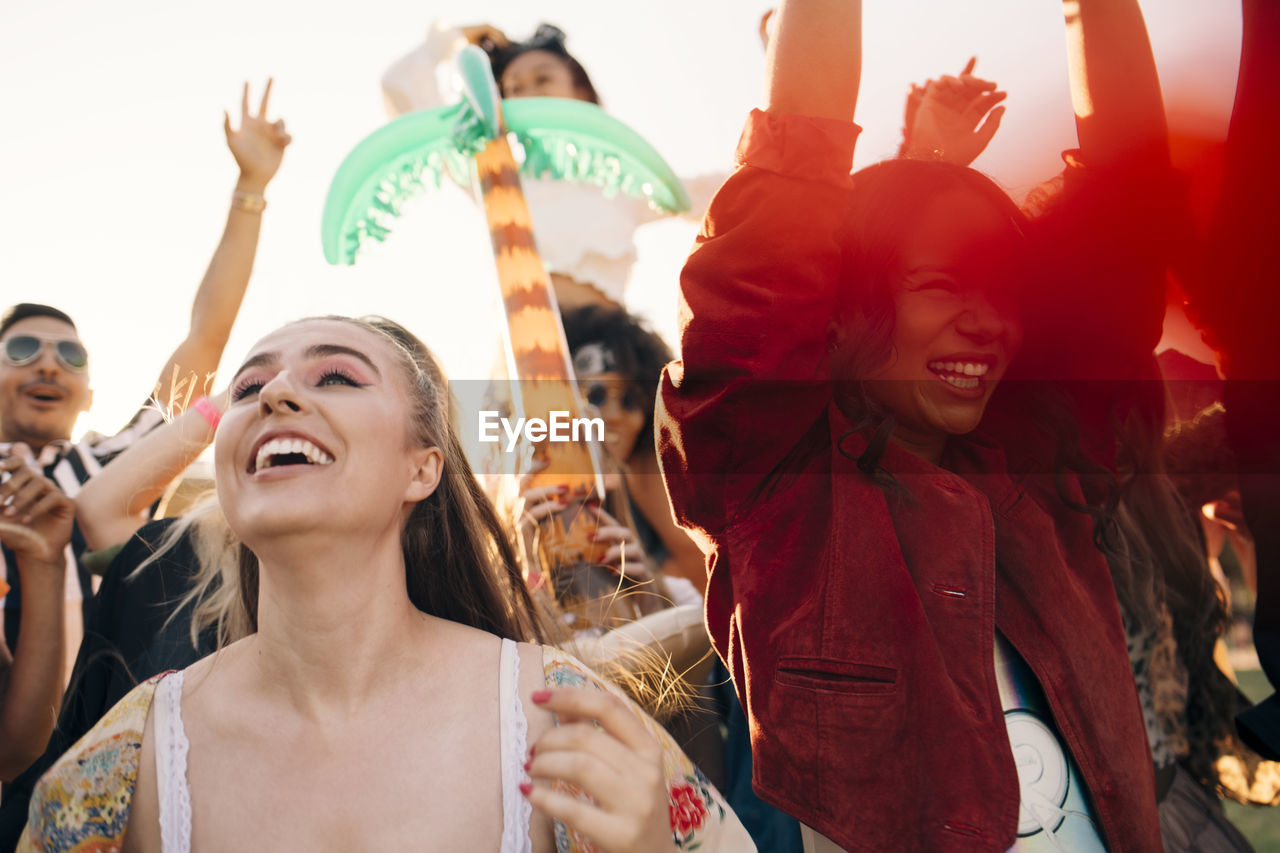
117, 177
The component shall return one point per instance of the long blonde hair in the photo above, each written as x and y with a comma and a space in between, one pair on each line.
459, 561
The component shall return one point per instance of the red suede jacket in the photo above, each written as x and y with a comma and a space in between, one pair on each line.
858, 622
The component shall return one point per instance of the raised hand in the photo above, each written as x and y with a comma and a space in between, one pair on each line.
36, 520
258, 145
602, 748
478, 34
952, 118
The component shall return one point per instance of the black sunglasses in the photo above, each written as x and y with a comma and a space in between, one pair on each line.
625, 393
21, 350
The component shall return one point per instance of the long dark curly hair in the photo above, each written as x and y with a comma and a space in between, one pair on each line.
639, 352
1140, 524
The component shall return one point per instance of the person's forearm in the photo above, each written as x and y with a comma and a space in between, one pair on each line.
214, 309
1243, 252
218, 299
114, 504
34, 688
814, 62
411, 82
1114, 86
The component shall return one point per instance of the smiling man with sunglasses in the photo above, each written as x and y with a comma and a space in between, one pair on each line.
44, 376
44, 386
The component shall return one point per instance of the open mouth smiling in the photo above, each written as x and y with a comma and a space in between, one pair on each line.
962, 373
44, 393
285, 450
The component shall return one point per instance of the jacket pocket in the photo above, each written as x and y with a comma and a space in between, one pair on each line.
834, 676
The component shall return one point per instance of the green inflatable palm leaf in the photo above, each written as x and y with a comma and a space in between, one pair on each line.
387, 168
562, 138
577, 141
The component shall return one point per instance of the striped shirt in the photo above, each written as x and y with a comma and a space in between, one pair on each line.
70, 466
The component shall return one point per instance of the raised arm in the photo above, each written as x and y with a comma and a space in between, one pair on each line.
1114, 86
114, 504
1232, 291
757, 292
1237, 303
258, 147
413, 81
1103, 229
814, 62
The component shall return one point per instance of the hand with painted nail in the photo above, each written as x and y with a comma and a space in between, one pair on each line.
622, 544
952, 118
625, 552
36, 519
602, 748
537, 505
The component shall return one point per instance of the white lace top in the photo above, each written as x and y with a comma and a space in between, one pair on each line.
172, 746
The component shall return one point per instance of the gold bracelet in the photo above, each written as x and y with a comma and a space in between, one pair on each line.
248, 202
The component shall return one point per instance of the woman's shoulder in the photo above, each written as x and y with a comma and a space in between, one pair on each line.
83, 801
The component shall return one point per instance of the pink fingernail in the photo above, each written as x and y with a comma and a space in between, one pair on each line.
539, 697
526, 788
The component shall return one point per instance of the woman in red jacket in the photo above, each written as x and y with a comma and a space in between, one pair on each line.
904, 568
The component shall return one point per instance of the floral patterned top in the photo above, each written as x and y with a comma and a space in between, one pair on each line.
700, 820
82, 804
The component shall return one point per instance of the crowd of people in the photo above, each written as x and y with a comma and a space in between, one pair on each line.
903, 549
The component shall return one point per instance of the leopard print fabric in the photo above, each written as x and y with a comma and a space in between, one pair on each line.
1161, 680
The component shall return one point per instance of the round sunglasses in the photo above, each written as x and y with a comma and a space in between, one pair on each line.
21, 350
624, 393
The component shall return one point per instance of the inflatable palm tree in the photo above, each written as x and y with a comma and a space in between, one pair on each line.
468, 143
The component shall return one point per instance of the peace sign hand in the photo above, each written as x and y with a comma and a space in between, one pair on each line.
258, 145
